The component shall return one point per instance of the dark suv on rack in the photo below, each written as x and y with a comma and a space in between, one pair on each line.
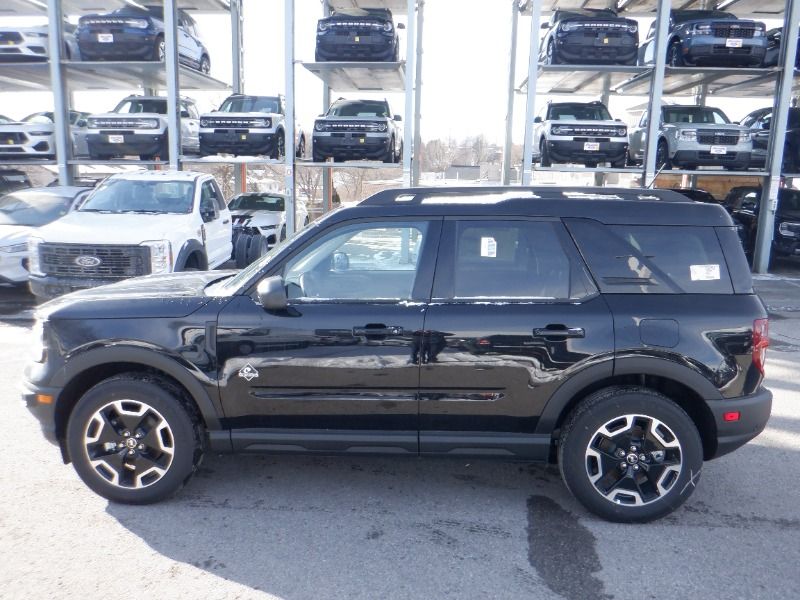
358, 34
744, 203
712, 38
589, 36
614, 331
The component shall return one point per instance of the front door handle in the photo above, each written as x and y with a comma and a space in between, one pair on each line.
378, 329
558, 331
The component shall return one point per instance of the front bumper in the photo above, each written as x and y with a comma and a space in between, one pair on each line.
99, 143
40, 146
48, 286
785, 246
575, 151
126, 46
237, 142
351, 146
754, 411
701, 156
45, 412
13, 267
362, 47
574, 48
713, 51
27, 50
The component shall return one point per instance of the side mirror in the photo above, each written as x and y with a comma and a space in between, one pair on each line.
618, 120
272, 293
208, 215
398, 118
537, 119
544, 26
401, 26
185, 114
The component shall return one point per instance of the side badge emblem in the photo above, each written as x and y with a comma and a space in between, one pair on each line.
248, 372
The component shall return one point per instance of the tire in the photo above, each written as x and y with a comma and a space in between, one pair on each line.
551, 57
282, 236
620, 164
662, 155
544, 154
234, 238
280, 146
151, 411
591, 165
98, 156
257, 248
205, 65
159, 49
674, 56
241, 248
301, 148
391, 153
630, 454
318, 156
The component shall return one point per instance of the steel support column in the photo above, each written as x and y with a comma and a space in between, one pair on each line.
289, 125
605, 95
239, 175
530, 103
508, 142
173, 89
408, 128
780, 117
63, 139
415, 166
656, 90
327, 174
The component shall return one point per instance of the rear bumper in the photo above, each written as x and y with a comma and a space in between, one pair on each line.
754, 411
571, 151
126, 46
232, 142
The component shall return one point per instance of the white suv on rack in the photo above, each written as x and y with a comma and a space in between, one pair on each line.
133, 224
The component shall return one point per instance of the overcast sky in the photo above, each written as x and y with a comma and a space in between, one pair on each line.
465, 68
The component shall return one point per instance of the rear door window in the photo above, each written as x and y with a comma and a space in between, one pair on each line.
652, 259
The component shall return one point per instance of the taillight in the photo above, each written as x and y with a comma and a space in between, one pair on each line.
760, 343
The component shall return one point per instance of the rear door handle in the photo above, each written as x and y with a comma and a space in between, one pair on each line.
559, 332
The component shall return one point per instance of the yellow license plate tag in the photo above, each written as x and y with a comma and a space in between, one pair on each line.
244, 136
357, 39
361, 140
10, 142
605, 40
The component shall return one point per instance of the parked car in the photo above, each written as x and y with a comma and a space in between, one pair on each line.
249, 125
613, 330
358, 129
358, 34
707, 197
691, 136
137, 33
260, 214
22, 212
138, 125
12, 180
133, 224
22, 44
579, 132
4, 119
744, 203
712, 38
760, 124
589, 36
34, 137
773, 54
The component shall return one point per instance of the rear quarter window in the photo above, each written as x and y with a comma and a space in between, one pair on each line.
652, 259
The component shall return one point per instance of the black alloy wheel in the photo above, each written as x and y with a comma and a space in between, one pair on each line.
544, 154
391, 153
674, 56
550, 56
301, 148
662, 155
205, 65
160, 50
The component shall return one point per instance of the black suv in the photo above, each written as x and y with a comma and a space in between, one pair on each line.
760, 123
712, 38
744, 204
614, 331
358, 34
589, 36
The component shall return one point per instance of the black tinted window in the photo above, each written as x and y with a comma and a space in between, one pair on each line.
513, 259
652, 259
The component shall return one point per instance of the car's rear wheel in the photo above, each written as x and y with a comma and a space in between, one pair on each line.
132, 439
257, 248
391, 153
674, 55
205, 65
630, 454
544, 154
662, 155
240, 250
160, 49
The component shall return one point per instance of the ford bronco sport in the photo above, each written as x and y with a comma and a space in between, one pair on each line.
589, 36
614, 331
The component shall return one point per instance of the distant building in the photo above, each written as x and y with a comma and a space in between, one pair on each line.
465, 172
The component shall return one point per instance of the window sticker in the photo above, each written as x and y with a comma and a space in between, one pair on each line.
488, 247
704, 272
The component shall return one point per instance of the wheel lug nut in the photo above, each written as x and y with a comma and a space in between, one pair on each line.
131, 452
623, 465
141, 446
620, 452
642, 457
138, 434
635, 467
633, 448
126, 433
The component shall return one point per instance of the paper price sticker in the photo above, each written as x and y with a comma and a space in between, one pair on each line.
704, 272
488, 247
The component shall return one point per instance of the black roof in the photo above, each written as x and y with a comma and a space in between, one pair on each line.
604, 204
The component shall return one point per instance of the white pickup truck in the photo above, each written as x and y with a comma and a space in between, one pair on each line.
133, 224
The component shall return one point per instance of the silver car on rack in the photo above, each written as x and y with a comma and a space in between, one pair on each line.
30, 44
34, 137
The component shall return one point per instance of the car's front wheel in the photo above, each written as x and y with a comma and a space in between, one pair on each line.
132, 439
630, 454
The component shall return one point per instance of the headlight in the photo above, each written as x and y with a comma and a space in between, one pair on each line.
569, 26
137, 23
745, 137
14, 248
160, 256
633, 28
39, 133
688, 135
322, 27
319, 126
382, 127
758, 33
36, 34
261, 123
621, 131
267, 227
37, 348
702, 30
146, 124
558, 130
91, 123
788, 229
33, 256
203, 123
387, 27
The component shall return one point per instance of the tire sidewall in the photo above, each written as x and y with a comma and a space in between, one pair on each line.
150, 393
572, 457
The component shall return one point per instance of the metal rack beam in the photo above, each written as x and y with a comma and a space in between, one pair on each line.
720, 81
583, 79
362, 76
26, 8
398, 7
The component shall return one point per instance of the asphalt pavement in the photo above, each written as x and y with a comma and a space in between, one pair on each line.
356, 527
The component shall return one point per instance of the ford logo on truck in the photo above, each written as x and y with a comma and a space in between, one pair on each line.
87, 261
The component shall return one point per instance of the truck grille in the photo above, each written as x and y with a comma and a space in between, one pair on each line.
115, 262
235, 123
733, 31
351, 126
717, 138
355, 25
120, 124
10, 37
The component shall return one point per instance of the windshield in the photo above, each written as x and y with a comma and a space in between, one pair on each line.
32, 209
561, 15
244, 104
156, 106
695, 114
681, 16
574, 112
359, 109
140, 196
257, 202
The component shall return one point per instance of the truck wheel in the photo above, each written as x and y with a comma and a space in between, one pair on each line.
160, 49
132, 439
620, 164
318, 156
205, 65
257, 248
544, 154
630, 454
674, 56
240, 251
301, 148
391, 154
283, 234
280, 146
234, 237
551, 58
662, 155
